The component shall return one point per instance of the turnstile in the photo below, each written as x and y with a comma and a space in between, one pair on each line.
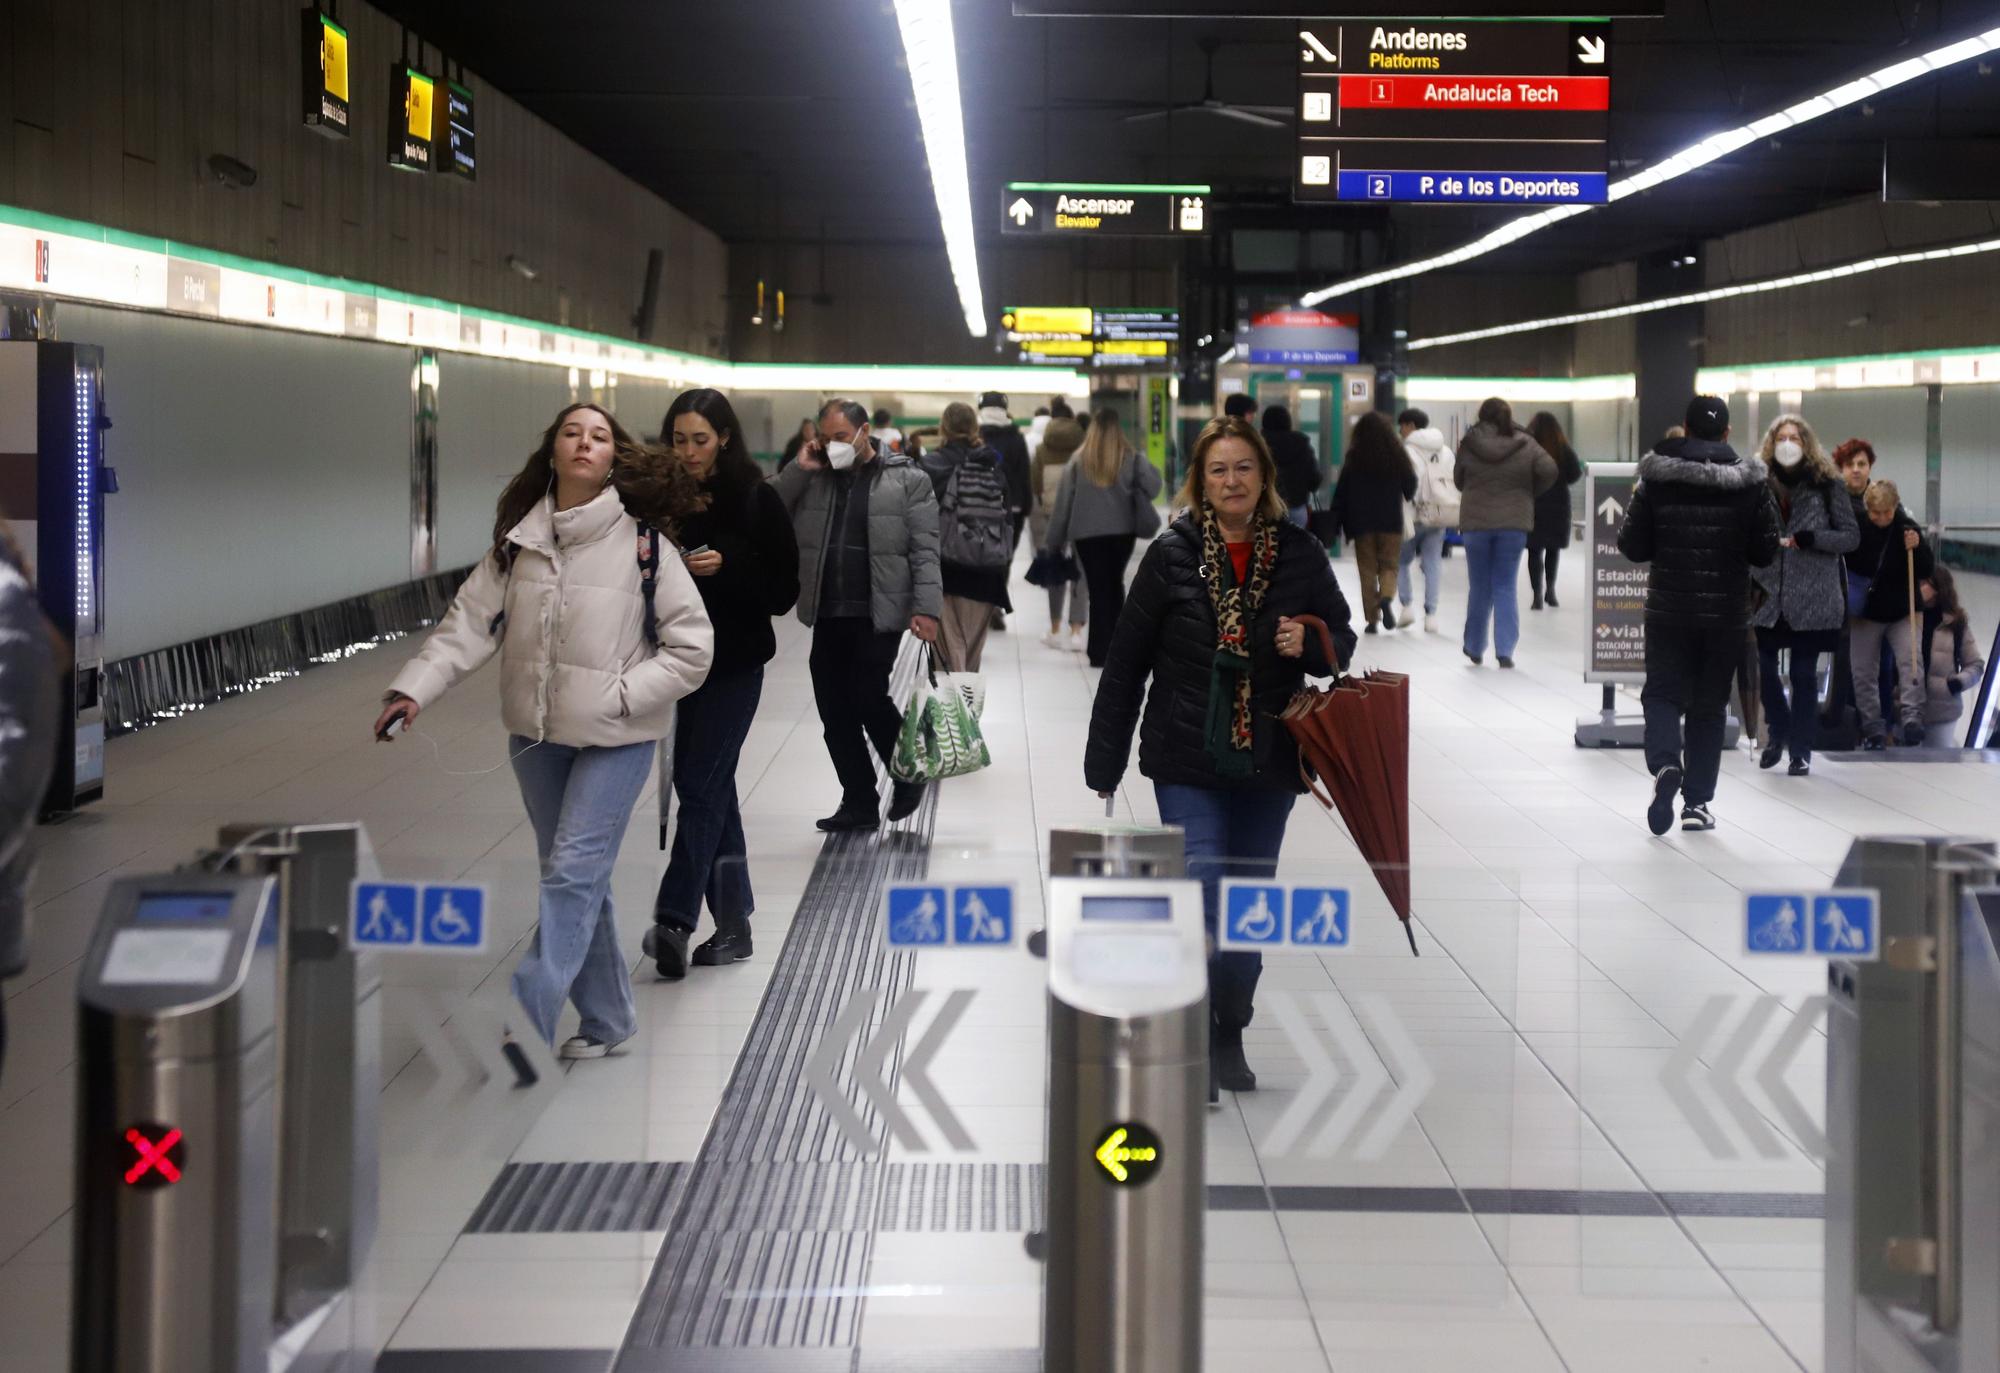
1912, 1096
230, 1044
1128, 1094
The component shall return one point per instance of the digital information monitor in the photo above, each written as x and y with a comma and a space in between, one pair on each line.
1452, 113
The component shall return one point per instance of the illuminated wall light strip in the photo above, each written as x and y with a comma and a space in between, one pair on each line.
86, 436
1686, 160
1784, 283
932, 51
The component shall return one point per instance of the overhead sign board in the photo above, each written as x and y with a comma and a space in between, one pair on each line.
1301, 338
1453, 113
324, 53
1106, 211
1283, 9
1615, 649
412, 112
1071, 336
459, 159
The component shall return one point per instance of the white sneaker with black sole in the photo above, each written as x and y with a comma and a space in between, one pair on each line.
584, 1046
1666, 786
1697, 818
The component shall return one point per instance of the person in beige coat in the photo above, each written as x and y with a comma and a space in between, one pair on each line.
599, 630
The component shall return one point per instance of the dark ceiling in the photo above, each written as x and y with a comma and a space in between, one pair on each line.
792, 120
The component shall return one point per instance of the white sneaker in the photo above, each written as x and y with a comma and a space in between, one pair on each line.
1052, 640
1433, 624
1077, 643
583, 1046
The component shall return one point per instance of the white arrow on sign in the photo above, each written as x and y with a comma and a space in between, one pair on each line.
1611, 510
1314, 49
1021, 212
1590, 50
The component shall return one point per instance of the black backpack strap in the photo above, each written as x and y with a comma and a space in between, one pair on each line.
506, 557
649, 578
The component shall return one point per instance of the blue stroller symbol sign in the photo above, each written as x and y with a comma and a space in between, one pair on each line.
1775, 922
1319, 917
385, 913
983, 915
917, 915
1254, 915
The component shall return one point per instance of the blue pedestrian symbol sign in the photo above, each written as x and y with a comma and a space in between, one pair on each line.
1775, 922
1253, 915
455, 917
918, 916
1319, 917
983, 915
1846, 924
418, 917
385, 914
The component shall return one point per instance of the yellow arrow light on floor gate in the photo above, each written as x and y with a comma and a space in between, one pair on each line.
1129, 1154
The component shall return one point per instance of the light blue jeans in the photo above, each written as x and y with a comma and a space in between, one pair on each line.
1493, 564
1427, 542
579, 800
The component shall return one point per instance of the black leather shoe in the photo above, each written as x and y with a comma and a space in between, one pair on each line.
731, 945
904, 798
1914, 735
1550, 599
667, 946
1227, 1067
1388, 616
1535, 604
849, 818
1800, 767
1768, 759
1875, 743
1507, 663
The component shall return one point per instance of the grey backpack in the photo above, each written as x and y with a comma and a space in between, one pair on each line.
976, 529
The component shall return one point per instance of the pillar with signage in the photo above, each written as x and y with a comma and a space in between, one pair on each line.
1159, 418
1614, 645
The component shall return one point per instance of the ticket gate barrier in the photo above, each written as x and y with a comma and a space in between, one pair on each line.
227, 1188
1128, 1094
1912, 1096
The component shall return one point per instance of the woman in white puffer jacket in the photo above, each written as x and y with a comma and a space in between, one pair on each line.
586, 690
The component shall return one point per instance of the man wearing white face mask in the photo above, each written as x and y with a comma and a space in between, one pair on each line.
867, 526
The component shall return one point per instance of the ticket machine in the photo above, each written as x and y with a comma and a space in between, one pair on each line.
1128, 1094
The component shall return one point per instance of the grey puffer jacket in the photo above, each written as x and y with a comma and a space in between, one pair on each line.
1807, 584
903, 573
28, 705
1500, 475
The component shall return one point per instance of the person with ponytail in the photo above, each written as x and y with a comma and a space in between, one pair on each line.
600, 631
1800, 600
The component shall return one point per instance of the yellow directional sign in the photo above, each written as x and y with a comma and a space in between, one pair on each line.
1129, 1154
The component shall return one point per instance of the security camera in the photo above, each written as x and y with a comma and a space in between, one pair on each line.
520, 267
231, 172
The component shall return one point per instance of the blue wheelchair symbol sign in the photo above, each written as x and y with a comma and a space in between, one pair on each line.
1319, 917
1846, 924
384, 915
918, 916
983, 915
1775, 922
1253, 915
455, 918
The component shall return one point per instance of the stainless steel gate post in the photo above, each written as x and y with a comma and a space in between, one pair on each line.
1128, 1092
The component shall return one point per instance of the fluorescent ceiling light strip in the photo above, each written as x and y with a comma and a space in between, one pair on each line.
1686, 160
1648, 307
933, 61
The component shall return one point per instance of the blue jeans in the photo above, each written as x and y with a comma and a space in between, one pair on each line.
1493, 563
1229, 834
709, 855
1300, 515
579, 800
1427, 543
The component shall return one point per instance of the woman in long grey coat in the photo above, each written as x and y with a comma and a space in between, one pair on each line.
1802, 595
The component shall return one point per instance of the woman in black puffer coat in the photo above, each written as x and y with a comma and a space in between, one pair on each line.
1553, 512
1209, 619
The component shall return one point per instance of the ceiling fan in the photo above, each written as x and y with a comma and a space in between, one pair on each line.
1265, 116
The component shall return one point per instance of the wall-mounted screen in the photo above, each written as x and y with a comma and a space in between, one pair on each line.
412, 109
458, 159
324, 74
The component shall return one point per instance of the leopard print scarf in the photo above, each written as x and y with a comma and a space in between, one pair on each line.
1236, 608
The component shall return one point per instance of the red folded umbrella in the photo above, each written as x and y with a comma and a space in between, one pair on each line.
1354, 754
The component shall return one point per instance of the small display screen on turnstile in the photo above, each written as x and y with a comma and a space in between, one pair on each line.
182, 905
1157, 908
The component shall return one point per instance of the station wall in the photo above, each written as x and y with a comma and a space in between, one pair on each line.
109, 113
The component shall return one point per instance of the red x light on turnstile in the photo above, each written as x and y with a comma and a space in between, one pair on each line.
158, 1153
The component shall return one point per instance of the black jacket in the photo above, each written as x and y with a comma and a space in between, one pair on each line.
1886, 563
746, 523
1553, 513
1703, 517
1167, 632
1008, 442
1372, 505
1298, 470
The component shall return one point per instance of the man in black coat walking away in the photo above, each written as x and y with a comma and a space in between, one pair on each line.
1703, 517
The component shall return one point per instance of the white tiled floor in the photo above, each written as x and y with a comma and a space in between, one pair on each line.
1566, 952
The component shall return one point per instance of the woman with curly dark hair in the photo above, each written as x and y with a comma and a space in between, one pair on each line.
600, 630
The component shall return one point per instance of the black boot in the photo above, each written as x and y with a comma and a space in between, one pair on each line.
729, 944
851, 816
904, 798
1227, 1067
667, 946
